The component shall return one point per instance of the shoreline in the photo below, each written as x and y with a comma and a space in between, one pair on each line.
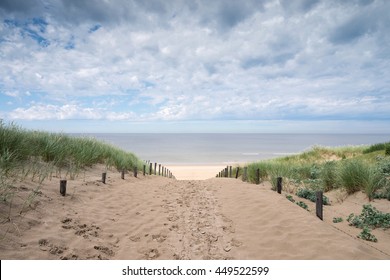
195, 172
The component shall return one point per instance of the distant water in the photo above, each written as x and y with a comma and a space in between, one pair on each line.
198, 149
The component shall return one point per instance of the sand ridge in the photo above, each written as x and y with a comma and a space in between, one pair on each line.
159, 218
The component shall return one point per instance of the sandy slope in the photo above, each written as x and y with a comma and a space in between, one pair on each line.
159, 218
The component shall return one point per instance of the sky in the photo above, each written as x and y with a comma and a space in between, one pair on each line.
272, 66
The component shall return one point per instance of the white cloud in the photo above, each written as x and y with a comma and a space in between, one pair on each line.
199, 60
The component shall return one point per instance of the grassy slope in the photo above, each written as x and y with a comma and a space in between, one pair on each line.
38, 154
351, 168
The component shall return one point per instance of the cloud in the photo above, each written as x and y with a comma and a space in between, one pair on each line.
198, 60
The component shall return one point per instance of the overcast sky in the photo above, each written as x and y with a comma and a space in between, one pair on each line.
196, 66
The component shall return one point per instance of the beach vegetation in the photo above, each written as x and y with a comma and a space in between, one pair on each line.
337, 220
352, 168
38, 155
303, 205
310, 194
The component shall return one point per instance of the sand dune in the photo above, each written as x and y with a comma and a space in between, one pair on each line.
159, 218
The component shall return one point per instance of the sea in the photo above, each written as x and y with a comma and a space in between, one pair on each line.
222, 149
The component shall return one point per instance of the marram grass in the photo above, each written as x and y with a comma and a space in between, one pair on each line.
38, 154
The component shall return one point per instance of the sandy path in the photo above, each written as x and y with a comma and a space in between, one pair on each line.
159, 218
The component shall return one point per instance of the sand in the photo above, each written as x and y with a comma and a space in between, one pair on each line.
159, 218
195, 172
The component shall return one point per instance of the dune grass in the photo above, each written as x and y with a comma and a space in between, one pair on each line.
39, 154
353, 168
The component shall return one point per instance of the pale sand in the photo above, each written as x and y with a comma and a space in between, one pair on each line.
159, 218
195, 172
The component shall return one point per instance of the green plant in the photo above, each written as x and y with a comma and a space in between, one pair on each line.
289, 197
370, 217
303, 205
376, 147
337, 220
367, 235
311, 195
328, 175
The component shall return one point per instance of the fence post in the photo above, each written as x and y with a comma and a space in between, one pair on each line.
279, 184
230, 172
155, 168
63, 187
150, 168
226, 172
159, 169
104, 175
135, 171
257, 176
123, 174
245, 175
319, 205
238, 168
144, 169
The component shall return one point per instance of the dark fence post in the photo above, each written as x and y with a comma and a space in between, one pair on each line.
159, 169
63, 187
150, 168
245, 175
226, 172
104, 175
257, 176
279, 184
135, 171
144, 169
230, 172
319, 205
123, 174
155, 168
238, 168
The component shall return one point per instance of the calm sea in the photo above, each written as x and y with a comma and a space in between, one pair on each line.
186, 149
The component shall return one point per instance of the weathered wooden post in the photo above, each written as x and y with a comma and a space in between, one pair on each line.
123, 174
150, 168
155, 168
279, 184
226, 172
135, 171
144, 169
319, 204
230, 172
238, 169
257, 176
159, 169
63, 187
245, 175
104, 175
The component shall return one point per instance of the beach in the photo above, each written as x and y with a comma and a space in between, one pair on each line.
154, 218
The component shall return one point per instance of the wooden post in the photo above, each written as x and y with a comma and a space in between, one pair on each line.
279, 184
159, 169
150, 168
319, 205
257, 176
123, 174
155, 168
245, 175
104, 175
238, 168
63, 187
226, 172
230, 172
144, 169
135, 171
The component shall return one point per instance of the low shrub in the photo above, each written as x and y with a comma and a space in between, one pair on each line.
311, 195
337, 220
303, 205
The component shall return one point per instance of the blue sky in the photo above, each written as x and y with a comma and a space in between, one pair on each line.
196, 66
